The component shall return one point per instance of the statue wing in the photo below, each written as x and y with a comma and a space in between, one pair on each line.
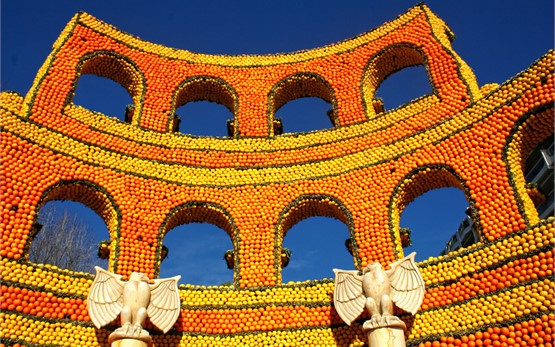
408, 286
165, 304
348, 296
105, 299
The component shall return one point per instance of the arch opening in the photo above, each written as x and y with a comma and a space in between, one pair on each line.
205, 106
316, 112
198, 237
438, 223
204, 118
538, 172
431, 204
109, 84
398, 74
529, 153
304, 115
76, 228
100, 94
403, 86
317, 245
322, 227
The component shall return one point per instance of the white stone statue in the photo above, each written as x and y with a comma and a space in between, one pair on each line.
135, 299
377, 290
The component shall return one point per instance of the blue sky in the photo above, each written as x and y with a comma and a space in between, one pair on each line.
497, 39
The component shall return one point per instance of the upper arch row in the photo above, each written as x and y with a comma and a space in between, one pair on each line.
347, 74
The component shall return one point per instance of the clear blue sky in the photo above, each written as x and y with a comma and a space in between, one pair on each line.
497, 39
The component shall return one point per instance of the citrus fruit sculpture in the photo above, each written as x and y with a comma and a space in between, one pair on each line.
143, 179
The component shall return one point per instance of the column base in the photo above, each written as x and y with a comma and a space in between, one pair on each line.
128, 342
386, 331
120, 338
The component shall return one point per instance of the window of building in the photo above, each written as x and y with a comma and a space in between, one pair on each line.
305, 114
403, 86
439, 222
203, 118
317, 246
539, 176
196, 252
101, 94
67, 234
205, 106
302, 102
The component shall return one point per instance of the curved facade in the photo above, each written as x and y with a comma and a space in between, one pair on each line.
143, 177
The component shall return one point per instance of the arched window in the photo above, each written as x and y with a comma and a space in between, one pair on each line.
101, 94
431, 204
531, 144
109, 84
71, 228
438, 223
538, 172
68, 235
404, 86
314, 235
300, 103
196, 252
203, 118
199, 244
304, 115
317, 246
395, 76
205, 106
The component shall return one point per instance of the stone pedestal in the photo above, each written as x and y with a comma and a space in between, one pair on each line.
130, 343
119, 339
385, 332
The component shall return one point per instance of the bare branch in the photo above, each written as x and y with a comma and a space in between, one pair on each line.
64, 241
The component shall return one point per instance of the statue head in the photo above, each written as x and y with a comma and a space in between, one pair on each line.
372, 267
138, 277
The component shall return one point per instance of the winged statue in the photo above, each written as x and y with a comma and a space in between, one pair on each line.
378, 289
134, 299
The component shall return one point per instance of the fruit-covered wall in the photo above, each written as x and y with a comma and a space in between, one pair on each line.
143, 179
